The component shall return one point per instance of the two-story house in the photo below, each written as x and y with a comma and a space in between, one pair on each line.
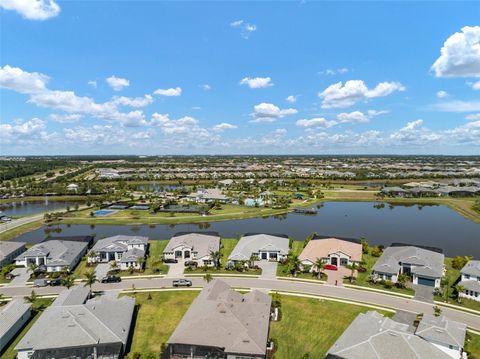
125, 250
471, 280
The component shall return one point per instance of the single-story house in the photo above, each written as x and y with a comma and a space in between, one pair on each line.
335, 251
471, 280
195, 246
222, 323
262, 246
207, 195
72, 187
87, 239
55, 255
371, 335
77, 294
423, 264
10, 250
447, 335
125, 250
97, 329
13, 317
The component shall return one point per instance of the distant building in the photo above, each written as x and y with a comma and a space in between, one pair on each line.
9, 250
471, 280
222, 323
13, 317
209, 195
72, 187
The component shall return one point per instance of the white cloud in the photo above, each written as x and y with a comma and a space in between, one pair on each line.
32, 9
177, 91
224, 126
206, 87
316, 122
476, 85
117, 83
460, 54
473, 117
291, 99
256, 82
340, 71
246, 29
339, 95
442, 94
458, 106
92, 83
132, 102
66, 118
14, 78
268, 112
358, 116
23, 132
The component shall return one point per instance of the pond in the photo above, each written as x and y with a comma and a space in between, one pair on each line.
26, 208
380, 224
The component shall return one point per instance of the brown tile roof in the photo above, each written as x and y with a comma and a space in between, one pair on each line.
322, 247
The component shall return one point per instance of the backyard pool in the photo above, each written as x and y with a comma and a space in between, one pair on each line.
103, 212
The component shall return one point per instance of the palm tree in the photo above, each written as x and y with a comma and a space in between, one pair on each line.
114, 265
91, 255
68, 281
140, 262
31, 298
208, 277
216, 256
91, 278
460, 289
319, 265
294, 264
353, 267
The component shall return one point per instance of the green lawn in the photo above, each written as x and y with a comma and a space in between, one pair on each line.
157, 318
9, 352
282, 269
310, 326
472, 346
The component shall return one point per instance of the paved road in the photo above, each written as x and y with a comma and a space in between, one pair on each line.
19, 222
373, 298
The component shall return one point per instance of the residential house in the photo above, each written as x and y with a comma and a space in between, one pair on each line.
72, 187
262, 246
195, 246
208, 195
54, 255
13, 317
423, 264
77, 294
371, 335
98, 328
471, 280
125, 250
447, 335
9, 250
222, 323
334, 251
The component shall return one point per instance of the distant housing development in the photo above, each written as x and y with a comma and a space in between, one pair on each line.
424, 265
222, 323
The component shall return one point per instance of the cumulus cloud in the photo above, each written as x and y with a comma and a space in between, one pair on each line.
246, 29
460, 54
476, 85
358, 116
442, 94
340, 71
268, 112
341, 95
206, 87
66, 118
14, 78
316, 122
177, 91
23, 132
132, 101
473, 117
32, 9
256, 82
458, 106
117, 83
93, 83
291, 99
224, 126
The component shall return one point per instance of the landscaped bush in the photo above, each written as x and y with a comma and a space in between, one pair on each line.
361, 269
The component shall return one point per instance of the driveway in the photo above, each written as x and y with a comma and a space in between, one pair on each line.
175, 270
101, 270
335, 277
269, 269
423, 293
405, 317
21, 277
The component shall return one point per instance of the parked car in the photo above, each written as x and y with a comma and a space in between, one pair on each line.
170, 260
55, 282
191, 264
40, 283
182, 283
111, 279
330, 267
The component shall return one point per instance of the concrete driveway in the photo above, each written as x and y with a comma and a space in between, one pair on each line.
21, 277
269, 269
102, 269
175, 270
423, 293
335, 277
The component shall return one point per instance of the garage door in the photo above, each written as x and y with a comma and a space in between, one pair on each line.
426, 281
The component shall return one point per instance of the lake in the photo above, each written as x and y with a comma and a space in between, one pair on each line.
379, 224
25, 208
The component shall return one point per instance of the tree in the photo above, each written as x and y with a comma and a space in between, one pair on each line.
140, 262
294, 264
91, 278
353, 267
365, 246
376, 251
92, 255
216, 256
32, 298
68, 282
208, 277
437, 311
114, 265
459, 262
402, 280
460, 289
319, 265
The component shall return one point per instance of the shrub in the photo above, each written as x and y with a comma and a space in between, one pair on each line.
388, 284
376, 251
361, 269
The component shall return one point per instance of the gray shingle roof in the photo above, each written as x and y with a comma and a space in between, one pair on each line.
118, 243
99, 321
371, 335
75, 295
220, 317
473, 285
59, 253
8, 247
256, 242
442, 330
202, 243
472, 268
10, 314
132, 255
428, 263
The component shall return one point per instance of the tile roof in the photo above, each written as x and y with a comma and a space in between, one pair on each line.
202, 243
253, 243
323, 247
118, 243
472, 268
58, 253
442, 330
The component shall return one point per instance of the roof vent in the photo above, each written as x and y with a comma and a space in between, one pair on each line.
223, 311
393, 334
246, 340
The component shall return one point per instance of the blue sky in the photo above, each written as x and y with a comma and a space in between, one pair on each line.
151, 77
